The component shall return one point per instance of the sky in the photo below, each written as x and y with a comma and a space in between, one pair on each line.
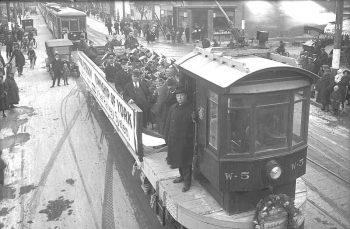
296, 12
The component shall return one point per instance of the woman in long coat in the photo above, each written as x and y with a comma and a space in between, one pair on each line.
12, 91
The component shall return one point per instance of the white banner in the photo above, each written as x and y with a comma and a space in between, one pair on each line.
121, 115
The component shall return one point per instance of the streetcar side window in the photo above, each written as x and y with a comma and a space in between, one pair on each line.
74, 25
298, 124
213, 120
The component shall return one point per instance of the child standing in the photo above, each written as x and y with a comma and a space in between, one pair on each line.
66, 73
335, 100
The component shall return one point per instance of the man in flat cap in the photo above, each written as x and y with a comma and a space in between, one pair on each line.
179, 132
137, 92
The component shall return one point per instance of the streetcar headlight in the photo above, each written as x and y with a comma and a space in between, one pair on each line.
274, 170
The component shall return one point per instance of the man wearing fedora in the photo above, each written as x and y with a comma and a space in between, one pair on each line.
179, 132
137, 92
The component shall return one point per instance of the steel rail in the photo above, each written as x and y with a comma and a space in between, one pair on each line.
328, 170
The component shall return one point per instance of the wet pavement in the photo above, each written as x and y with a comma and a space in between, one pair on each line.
61, 154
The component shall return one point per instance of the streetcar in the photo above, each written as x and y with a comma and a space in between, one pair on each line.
252, 134
64, 22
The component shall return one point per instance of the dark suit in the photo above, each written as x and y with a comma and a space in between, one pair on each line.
57, 66
141, 96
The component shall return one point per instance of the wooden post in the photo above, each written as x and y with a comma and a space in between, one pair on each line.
338, 34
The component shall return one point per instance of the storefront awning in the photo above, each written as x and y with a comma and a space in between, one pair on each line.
330, 27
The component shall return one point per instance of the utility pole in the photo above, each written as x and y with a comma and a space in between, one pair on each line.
8, 14
338, 33
123, 9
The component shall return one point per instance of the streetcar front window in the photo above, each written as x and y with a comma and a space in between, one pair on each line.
239, 129
65, 25
74, 25
271, 127
82, 24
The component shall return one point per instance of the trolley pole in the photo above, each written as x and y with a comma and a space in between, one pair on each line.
338, 34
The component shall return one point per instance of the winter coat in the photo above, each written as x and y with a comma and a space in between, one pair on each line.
131, 43
66, 72
12, 91
19, 57
121, 78
180, 135
342, 87
140, 95
110, 72
324, 87
2, 65
57, 66
162, 106
3, 96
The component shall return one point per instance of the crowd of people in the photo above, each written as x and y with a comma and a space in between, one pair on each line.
333, 91
150, 81
9, 96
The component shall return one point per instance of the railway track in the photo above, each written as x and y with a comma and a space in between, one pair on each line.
328, 201
328, 170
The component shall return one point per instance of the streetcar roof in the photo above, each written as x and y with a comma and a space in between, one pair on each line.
58, 43
223, 73
66, 11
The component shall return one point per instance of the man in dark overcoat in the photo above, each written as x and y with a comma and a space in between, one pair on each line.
179, 132
57, 68
324, 88
166, 98
12, 91
19, 59
138, 92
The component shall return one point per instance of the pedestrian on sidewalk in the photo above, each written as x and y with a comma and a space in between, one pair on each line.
12, 91
324, 87
2, 65
57, 70
2, 170
19, 59
187, 33
335, 100
32, 57
9, 45
66, 74
116, 27
109, 27
3, 96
